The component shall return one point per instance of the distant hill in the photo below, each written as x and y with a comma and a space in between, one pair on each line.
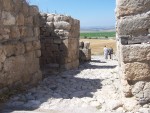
97, 29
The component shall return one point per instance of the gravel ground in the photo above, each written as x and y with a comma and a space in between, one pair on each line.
92, 88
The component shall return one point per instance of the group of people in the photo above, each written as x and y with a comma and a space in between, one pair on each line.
108, 52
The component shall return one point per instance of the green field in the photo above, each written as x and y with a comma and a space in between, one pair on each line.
98, 34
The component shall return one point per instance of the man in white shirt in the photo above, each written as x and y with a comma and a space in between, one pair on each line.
105, 52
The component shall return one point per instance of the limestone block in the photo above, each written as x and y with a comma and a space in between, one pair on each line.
50, 25
32, 63
20, 19
30, 31
19, 49
15, 32
7, 5
66, 18
135, 52
141, 90
132, 7
85, 54
8, 18
28, 20
62, 25
136, 70
14, 49
50, 18
14, 67
23, 31
139, 24
36, 32
126, 88
36, 44
2, 54
57, 18
87, 45
38, 53
5, 33
28, 46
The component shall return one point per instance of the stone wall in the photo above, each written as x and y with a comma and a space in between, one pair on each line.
60, 42
84, 52
19, 44
133, 36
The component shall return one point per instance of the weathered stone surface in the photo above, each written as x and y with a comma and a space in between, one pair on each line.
141, 90
135, 53
136, 70
19, 45
59, 41
50, 18
62, 25
15, 33
8, 18
20, 19
132, 7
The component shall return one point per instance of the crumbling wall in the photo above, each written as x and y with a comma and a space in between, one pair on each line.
19, 44
84, 52
60, 42
133, 36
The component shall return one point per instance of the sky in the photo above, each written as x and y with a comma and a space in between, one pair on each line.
91, 13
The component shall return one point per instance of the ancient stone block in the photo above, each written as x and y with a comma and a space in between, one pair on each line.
141, 90
2, 54
13, 68
23, 31
7, 5
139, 24
28, 46
57, 18
131, 7
8, 18
28, 21
136, 70
20, 19
14, 49
136, 53
32, 63
85, 55
5, 33
36, 45
36, 32
62, 25
15, 32
38, 53
50, 18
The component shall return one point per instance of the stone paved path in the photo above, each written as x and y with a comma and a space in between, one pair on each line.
92, 88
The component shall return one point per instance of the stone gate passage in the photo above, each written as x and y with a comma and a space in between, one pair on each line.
34, 43
133, 37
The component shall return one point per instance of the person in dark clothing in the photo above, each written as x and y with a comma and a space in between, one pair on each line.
110, 52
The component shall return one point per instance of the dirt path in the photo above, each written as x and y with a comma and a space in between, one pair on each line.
92, 88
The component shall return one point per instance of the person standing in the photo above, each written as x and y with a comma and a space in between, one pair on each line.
110, 52
105, 52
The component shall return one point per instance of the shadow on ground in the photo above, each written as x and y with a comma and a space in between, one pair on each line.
65, 85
